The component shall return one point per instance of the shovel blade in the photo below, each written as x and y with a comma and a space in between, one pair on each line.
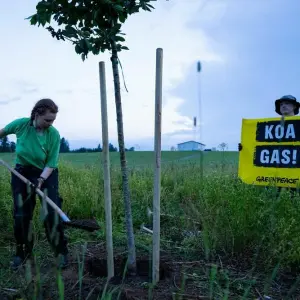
85, 224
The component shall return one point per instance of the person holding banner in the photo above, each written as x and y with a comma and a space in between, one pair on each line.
286, 106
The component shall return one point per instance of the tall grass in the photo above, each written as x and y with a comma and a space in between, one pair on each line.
236, 218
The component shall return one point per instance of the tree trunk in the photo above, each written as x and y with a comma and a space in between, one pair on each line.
126, 192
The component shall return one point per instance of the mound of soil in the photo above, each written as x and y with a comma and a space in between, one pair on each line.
98, 268
129, 286
87, 276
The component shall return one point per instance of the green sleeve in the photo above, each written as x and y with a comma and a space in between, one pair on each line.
14, 126
53, 155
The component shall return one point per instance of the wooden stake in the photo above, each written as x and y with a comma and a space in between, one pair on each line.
157, 166
106, 172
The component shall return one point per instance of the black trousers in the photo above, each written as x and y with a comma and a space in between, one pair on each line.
23, 209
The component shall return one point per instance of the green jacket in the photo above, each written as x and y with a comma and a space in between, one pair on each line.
33, 149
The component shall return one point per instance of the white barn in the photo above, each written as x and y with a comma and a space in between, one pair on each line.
190, 146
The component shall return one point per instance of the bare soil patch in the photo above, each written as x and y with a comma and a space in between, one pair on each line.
179, 279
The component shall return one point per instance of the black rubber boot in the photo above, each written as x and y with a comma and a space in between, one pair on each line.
28, 251
19, 258
57, 240
62, 261
24, 241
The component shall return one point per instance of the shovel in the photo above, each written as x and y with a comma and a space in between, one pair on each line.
88, 225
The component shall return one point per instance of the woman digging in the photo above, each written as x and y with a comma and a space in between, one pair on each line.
286, 106
37, 152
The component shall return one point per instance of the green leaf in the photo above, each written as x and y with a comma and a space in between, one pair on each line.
43, 6
122, 18
84, 45
95, 15
118, 8
41, 18
71, 29
48, 18
33, 20
85, 34
149, 5
119, 39
70, 32
88, 45
95, 51
30, 17
124, 48
78, 49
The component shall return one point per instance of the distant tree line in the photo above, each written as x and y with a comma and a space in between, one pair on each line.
65, 148
7, 146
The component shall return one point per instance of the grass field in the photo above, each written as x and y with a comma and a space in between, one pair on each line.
247, 244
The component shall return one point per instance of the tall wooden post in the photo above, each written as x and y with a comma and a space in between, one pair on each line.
106, 172
157, 167
199, 69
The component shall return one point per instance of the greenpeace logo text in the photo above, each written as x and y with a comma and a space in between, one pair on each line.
277, 179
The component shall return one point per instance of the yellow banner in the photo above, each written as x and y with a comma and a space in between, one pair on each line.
270, 152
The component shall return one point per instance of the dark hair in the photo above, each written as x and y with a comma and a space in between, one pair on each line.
42, 106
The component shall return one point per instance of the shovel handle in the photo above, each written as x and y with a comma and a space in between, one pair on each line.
25, 180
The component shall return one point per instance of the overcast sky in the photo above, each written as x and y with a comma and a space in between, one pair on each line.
249, 50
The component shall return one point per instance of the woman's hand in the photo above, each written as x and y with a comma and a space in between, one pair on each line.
46, 173
40, 182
